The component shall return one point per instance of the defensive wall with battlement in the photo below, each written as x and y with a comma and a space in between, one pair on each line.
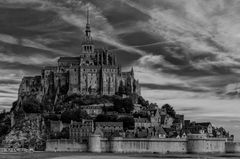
195, 143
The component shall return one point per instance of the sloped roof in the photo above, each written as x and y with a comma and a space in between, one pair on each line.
205, 124
109, 124
160, 130
141, 120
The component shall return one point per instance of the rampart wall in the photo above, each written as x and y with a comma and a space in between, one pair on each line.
65, 145
192, 144
232, 147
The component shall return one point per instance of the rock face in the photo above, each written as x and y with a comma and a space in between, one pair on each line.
27, 132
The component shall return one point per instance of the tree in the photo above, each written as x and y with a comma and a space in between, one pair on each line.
31, 106
118, 105
106, 118
142, 101
123, 105
142, 114
121, 89
75, 115
14, 105
170, 110
128, 86
128, 123
128, 105
65, 133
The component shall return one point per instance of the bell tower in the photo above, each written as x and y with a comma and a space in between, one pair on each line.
87, 44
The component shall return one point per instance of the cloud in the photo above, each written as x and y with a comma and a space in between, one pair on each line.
173, 87
195, 26
184, 52
27, 43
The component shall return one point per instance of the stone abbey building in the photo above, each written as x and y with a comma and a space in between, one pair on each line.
94, 72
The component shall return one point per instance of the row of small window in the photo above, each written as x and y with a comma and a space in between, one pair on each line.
88, 48
77, 134
109, 70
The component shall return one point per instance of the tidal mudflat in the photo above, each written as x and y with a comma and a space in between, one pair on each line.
61, 155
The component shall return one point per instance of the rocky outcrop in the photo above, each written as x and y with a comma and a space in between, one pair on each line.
27, 132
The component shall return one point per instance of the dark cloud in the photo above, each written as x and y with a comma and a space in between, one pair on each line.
34, 69
172, 87
138, 39
6, 92
9, 81
190, 109
125, 58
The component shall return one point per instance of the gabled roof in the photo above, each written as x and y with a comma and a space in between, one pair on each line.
160, 130
109, 124
141, 120
205, 124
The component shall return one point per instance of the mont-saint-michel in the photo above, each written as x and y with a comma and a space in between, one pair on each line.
137, 78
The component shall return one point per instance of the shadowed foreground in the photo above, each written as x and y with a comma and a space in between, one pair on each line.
49, 155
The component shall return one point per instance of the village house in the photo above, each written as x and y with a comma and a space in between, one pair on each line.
80, 131
142, 123
109, 128
92, 110
166, 121
56, 126
178, 122
203, 128
155, 117
156, 132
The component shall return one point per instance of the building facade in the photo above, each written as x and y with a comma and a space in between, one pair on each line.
110, 128
80, 131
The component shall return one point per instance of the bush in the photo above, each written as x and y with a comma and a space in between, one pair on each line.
75, 115
128, 123
32, 106
124, 105
170, 110
143, 102
106, 118
142, 114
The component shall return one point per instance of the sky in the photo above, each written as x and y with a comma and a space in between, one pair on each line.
184, 52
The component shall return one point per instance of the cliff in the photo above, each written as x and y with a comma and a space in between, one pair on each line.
27, 132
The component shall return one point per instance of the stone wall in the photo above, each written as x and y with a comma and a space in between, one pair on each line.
65, 145
199, 143
148, 145
232, 147
193, 144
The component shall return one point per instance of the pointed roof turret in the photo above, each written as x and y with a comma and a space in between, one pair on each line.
88, 28
87, 43
132, 72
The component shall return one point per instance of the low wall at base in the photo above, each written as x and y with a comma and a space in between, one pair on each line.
64, 145
199, 143
149, 145
232, 147
193, 144
142, 145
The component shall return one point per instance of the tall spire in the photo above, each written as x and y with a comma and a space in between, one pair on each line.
87, 43
88, 29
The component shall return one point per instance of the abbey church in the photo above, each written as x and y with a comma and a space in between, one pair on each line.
94, 72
